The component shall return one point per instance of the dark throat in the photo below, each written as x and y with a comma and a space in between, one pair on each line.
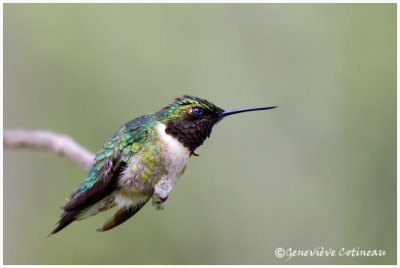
190, 133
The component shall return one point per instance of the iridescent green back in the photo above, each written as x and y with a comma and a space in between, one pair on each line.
124, 143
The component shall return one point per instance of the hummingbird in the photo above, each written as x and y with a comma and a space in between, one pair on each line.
138, 155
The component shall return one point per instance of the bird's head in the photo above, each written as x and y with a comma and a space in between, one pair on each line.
190, 119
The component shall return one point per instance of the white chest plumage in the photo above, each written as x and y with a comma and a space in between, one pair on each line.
175, 154
174, 157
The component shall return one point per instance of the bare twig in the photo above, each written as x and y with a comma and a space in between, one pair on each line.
65, 145
47, 140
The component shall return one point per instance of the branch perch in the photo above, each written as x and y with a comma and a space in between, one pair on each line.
67, 146
47, 140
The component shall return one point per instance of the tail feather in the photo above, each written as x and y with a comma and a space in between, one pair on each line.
66, 218
120, 216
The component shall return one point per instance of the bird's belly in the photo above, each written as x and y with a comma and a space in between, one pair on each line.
176, 165
164, 158
130, 199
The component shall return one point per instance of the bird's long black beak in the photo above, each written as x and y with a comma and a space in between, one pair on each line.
241, 110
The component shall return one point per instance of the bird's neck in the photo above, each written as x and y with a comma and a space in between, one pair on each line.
190, 133
170, 142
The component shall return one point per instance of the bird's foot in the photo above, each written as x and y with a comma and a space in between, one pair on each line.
159, 202
161, 192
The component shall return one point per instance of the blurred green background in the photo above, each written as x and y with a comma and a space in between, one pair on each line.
319, 171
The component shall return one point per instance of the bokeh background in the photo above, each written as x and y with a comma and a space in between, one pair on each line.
319, 171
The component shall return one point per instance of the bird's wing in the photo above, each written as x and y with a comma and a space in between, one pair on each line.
110, 162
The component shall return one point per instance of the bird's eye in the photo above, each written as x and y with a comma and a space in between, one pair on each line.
197, 110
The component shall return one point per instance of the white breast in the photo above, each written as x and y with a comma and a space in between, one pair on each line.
175, 154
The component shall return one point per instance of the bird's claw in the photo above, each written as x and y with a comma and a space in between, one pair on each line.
159, 202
